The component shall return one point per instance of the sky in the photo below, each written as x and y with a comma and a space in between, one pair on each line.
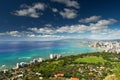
59, 19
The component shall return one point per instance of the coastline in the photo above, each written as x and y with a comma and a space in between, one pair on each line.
4, 67
93, 65
66, 49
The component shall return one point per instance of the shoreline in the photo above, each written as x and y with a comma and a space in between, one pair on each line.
27, 59
94, 63
4, 67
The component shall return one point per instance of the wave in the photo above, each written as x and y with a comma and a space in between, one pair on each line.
2, 67
24, 58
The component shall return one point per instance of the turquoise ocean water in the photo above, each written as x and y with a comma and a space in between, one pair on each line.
12, 52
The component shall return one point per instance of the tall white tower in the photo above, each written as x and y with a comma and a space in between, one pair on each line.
51, 56
17, 66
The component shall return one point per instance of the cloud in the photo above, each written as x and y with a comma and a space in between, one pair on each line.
16, 33
110, 34
42, 30
46, 37
48, 25
63, 29
11, 33
90, 19
114, 34
31, 11
72, 29
55, 10
99, 27
68, 13
68, 3
97, 30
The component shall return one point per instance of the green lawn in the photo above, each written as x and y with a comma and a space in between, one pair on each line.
90, 59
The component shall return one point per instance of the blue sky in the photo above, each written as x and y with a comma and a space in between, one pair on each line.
59, 19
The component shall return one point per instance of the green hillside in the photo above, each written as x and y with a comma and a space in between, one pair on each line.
91, 66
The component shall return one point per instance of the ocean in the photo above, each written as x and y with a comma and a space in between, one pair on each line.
12, 52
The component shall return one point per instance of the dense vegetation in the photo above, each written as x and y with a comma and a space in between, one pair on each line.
92, 66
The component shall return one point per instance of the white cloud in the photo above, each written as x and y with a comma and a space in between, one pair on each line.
42, 30
64, 29
55, 10
90, 19
72, 29
39, 6
99, 27
46, 37
31, 11
11, 33
110, 34
31, 35
113, 34
68, 3
68, 13
48, 25
97, 30
104, 22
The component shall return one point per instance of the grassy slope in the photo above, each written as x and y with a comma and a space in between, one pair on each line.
90, 59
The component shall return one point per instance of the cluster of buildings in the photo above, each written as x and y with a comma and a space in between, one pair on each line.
37, 60
111, 47
55, 56
17, 70
21, 65
24, 64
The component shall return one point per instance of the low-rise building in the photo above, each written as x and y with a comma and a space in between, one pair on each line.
74, 78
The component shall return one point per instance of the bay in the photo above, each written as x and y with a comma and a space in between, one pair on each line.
12, 52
